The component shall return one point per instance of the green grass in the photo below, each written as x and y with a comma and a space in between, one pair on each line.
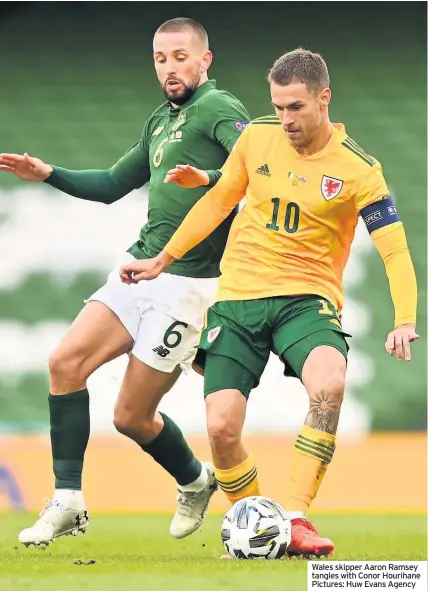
135, 552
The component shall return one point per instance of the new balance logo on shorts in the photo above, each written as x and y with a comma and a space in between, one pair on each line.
263, 170
161, 351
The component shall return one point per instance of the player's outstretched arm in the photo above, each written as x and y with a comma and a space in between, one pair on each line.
25, 167
391, 244
380, 215
103, 186
91, 185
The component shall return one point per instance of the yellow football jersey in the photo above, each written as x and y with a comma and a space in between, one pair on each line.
294, 233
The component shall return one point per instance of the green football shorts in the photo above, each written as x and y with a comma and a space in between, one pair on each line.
239, 336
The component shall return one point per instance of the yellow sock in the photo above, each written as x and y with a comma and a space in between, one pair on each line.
312, 454
239, 482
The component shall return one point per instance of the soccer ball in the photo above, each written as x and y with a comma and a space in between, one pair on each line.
256, 527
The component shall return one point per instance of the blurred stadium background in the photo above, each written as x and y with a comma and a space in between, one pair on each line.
77, 83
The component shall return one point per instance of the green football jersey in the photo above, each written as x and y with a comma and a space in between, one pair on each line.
201, 133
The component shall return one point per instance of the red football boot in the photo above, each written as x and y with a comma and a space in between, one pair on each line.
306, 542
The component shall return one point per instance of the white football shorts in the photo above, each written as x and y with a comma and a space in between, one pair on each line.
164, 316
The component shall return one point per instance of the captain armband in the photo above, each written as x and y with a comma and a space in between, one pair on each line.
379, 214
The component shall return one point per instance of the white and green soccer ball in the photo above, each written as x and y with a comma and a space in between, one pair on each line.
256, 527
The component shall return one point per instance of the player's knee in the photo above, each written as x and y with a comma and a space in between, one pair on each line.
330, 386
121, 425
64, 366
223, 434
139, 429
124, 424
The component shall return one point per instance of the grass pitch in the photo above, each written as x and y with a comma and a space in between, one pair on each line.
136, 552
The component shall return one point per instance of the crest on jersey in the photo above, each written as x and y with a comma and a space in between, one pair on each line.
181, 120
213, 334
330, 187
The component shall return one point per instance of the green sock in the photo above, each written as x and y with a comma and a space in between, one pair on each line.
171, 451
70, 425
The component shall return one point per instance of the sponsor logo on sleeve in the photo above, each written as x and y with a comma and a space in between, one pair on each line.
372, 218
240, 125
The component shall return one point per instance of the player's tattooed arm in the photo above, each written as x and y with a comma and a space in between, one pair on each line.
323, 413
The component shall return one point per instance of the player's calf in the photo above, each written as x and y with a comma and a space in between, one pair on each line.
225, 415
235, 470
323, 376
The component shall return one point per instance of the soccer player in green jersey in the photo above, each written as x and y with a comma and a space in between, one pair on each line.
157, 322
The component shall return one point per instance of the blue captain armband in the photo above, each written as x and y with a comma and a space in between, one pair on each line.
379, 214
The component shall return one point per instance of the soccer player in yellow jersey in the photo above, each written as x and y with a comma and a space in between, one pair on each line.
305, 182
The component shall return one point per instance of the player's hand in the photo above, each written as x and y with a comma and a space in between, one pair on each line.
25, 167
187, 176
145, 269
398, 341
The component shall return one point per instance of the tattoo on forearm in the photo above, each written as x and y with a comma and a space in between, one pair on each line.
323, 414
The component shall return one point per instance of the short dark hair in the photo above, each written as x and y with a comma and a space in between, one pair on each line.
176, 25
301, 65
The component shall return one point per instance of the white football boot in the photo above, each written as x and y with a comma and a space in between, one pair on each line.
58, 518
192, 506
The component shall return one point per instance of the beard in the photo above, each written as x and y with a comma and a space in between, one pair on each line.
179, 97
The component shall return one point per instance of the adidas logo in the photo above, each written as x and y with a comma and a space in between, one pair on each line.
263, 170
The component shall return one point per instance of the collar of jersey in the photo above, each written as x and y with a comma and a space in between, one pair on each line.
202, 89
337, 137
